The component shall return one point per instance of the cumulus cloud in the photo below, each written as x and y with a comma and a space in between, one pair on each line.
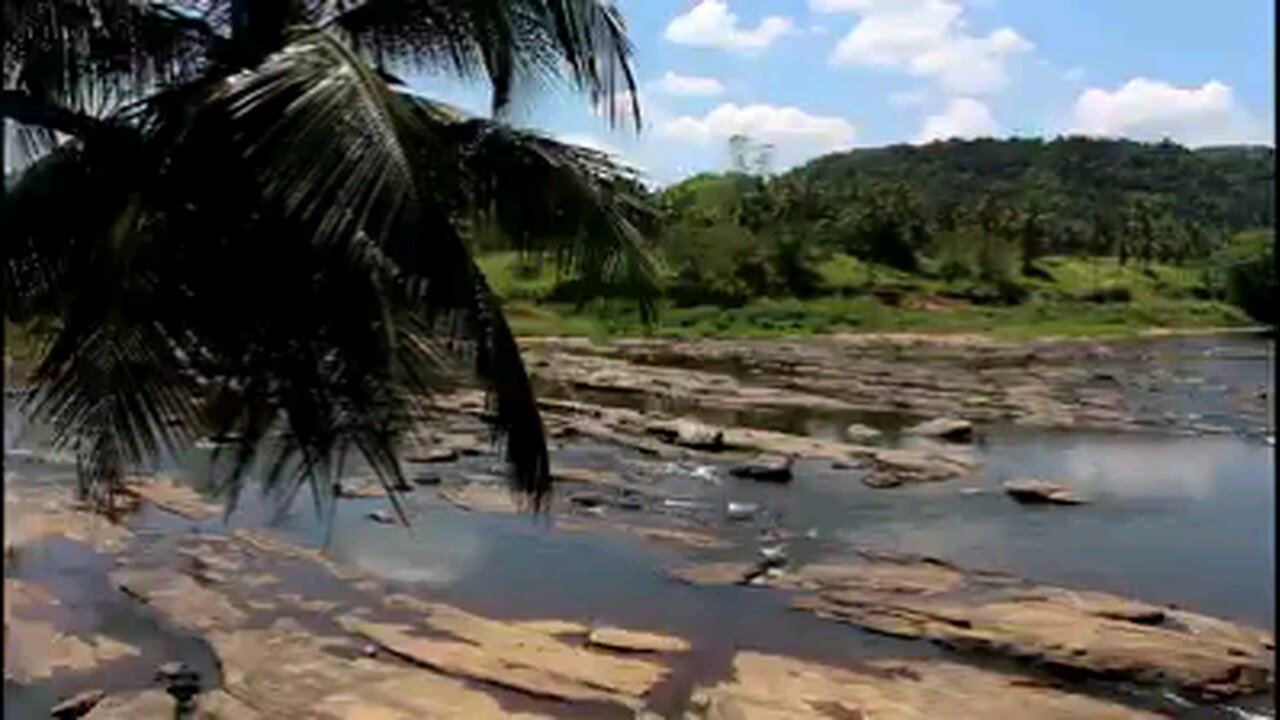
963, 118
795, 134
1144, 109
711, 24
926, 38
688, 86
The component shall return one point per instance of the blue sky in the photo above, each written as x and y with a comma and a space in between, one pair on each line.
812, 76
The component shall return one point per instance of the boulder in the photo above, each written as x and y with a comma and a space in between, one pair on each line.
1032, 491
765, 469
953, 429
861, 433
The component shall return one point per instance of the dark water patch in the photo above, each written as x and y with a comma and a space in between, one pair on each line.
89, 604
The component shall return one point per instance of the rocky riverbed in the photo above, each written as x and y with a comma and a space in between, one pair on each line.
666, 578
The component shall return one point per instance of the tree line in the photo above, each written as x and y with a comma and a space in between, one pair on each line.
982, 211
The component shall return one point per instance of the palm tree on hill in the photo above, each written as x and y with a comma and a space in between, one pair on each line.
241, 223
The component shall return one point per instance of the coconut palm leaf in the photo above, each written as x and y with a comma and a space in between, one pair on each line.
276, 253
513, 42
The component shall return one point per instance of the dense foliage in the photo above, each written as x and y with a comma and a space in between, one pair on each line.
1247, 269
977, 214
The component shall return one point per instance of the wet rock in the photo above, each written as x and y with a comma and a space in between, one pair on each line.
677, 536
186, 602
1033, 491
36, 650
952, 429
426, 479
77, 706
358, 489
481, 497
893, 468
723, 573
765, 469
691, 433
383, 517
171, 496
500, 653
435, 455
1075, 632
768, 686
741, 510
773, 556
589, 499
859, 433
635, 641
584, 475
215, 705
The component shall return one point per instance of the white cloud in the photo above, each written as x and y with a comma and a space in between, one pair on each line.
963, 118
926, 38
1144, 109
711, 24
908, 98
688, 86
796, 135
587, 140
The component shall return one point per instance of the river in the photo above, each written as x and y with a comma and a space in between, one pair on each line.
1187, 520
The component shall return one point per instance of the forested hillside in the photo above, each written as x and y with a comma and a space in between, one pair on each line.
1145, 233
1222, 188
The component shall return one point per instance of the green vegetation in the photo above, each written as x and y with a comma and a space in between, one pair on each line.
1015, 237
1077, 297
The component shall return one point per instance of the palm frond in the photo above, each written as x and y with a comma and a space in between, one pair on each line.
78, 51
363, 201
511, 42
574, 203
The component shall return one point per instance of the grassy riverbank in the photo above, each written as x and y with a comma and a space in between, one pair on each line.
1076, 297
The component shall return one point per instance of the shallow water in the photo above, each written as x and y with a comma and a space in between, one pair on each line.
1185, 520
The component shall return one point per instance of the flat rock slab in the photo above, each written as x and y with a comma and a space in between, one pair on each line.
1092, 633
30, 518
764, 469
518, 659
36, 650
481, 497
953, 429
186, 602
636, 641
780, 688
285, 672
213, 705
174, 497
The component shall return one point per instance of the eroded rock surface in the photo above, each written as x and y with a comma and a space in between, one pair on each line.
1079, 631
780, 688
